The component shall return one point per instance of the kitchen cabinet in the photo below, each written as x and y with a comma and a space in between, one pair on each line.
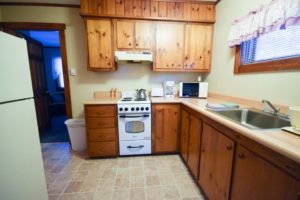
194, 141
185, 118
99, 43
101, 129
165, 125
217, 153
132, 34
169, 46
198, 45
256, 178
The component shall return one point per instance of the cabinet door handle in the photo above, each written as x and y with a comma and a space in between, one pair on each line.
229, 147
241, 155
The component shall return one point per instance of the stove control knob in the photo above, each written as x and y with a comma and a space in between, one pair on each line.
142, 108
121, 109
126, 109
132, 109
137, 108
147, 108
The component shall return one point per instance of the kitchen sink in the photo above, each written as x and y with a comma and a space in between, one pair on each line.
254, 119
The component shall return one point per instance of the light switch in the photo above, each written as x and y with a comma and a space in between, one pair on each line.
73, 72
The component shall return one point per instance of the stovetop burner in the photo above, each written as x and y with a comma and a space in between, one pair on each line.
127, 99
144, 99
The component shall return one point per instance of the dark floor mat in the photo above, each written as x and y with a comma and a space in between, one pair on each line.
58, 131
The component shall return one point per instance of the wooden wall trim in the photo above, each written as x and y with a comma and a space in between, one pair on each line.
49, 27
38, 4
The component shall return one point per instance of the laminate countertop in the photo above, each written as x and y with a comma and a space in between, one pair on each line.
280, 141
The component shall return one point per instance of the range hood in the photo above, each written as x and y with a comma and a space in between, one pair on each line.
133, 56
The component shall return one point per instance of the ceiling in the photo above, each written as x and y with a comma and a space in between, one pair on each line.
70, 2
47, 38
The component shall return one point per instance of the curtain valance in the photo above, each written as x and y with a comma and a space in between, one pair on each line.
265, 19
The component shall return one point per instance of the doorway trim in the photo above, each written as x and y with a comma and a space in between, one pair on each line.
15, 26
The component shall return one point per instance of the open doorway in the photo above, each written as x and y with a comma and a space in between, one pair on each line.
49, 73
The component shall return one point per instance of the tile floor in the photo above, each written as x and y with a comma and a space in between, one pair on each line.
72, 175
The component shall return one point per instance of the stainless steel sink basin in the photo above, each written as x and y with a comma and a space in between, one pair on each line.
254, 119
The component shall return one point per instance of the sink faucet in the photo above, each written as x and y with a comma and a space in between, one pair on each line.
276, 110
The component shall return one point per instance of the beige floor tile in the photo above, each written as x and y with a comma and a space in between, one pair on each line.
122, 183
79, 175
73, 186
188, 191
136, 171
123, 173
150, 171
121, 194
183, 178
53, 196
68, 197
85, 196
103, 195
109, 173
89, 185
136, 163
137, 181
152, 181
170, 192
167, 180
106, 184
154, 193
57, 187
137, 194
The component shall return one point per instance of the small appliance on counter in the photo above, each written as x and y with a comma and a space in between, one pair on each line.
193, 89
157, 92
169, 88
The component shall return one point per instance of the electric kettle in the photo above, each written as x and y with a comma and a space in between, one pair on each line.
141, 94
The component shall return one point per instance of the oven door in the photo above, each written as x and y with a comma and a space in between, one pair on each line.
134, 126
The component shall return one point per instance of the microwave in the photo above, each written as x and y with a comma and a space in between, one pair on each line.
196, 89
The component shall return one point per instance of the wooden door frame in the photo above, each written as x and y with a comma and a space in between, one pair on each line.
49, 27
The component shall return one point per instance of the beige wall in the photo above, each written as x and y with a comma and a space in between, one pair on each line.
0, 14
280, 87
85, 83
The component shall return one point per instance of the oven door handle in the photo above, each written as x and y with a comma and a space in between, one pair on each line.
133, 116
135, 147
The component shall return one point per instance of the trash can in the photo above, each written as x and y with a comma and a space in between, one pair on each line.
76, 129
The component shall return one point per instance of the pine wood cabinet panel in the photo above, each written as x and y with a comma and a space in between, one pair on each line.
99, 38
143, 35
169, 46
128, 8
165, 128
146, 8
101, 135
198, 44
217, 153
125, 34
120, 8
194, 141
101, 111
185, 118
102, 149
255, 178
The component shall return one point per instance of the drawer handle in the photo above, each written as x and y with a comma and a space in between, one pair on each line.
135, 147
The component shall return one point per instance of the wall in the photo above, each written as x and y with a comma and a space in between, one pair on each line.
0, 14
85, 83
279, 87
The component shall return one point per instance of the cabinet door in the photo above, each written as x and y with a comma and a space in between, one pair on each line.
166, 119
198, 44
216, 163
125, 34
143, 35
185, 117
100, 44
194, 144
255, 178
169, 46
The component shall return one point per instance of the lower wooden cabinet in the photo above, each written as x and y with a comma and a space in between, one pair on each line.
185, 118
194, 141
165, 128
217, 153
101, 129
255, 178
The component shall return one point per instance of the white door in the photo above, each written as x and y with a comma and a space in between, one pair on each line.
15, 78
21, 169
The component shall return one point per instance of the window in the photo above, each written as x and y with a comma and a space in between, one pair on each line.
57, 71
277, 50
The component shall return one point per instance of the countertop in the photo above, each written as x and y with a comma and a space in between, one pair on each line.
280, 141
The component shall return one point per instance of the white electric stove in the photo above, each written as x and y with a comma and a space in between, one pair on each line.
134, 119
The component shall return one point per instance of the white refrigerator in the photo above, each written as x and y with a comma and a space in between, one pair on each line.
21, 167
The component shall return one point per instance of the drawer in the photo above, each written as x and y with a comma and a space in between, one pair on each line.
100, 111
102, 135
102, 149
105, 122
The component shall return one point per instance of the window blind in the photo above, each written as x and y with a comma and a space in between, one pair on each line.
277, 45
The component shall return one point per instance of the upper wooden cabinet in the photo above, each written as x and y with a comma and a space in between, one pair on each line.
217, 152
255, 178
99, 41
169, 46
165, 128
131, 34
150, 9
198, 45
